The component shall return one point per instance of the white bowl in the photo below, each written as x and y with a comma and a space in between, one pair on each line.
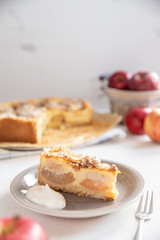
122, 100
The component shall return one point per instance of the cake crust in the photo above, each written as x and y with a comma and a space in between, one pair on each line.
9, 127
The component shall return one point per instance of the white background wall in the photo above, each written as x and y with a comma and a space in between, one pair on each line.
59, 47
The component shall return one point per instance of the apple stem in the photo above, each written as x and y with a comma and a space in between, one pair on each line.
9, 227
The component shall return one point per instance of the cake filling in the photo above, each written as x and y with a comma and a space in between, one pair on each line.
53, 176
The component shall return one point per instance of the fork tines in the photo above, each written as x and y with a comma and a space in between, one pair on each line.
146, 203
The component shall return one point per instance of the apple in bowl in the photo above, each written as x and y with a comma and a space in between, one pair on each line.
21, 228
140, 81
119, 80
144, 81
134, 119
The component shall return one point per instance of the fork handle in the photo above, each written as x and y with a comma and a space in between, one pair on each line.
139, 232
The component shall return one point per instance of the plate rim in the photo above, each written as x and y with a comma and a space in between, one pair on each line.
87, 213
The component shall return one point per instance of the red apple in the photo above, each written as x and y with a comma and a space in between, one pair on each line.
143, 81
21, 228
134, 119
119, 80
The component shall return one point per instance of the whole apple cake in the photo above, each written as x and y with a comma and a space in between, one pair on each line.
25, 121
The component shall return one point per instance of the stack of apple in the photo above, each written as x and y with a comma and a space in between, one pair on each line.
139, 120
140, 81
144, 121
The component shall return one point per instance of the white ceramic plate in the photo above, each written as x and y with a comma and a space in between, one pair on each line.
130, 185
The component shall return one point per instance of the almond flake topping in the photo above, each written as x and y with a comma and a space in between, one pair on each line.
77, 160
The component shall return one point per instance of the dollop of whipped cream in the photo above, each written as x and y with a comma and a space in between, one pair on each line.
45, 196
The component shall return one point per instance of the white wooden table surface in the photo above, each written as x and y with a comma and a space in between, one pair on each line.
138, 152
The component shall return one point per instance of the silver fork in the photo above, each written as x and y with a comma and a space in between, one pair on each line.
144, 212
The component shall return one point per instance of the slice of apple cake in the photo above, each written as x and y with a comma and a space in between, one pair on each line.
74, 173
